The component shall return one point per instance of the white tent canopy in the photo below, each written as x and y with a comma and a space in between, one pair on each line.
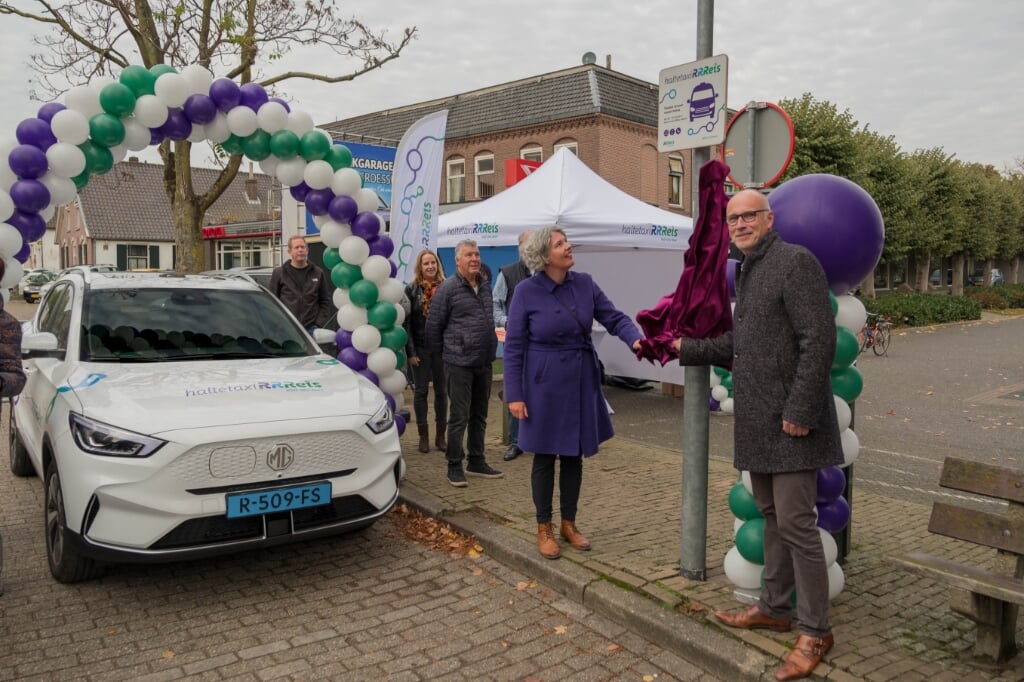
565, 192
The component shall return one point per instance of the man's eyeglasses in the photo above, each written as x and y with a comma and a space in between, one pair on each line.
747, 217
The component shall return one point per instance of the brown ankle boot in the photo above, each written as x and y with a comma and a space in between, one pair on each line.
546, 541
439, 440
424, 445
574, 537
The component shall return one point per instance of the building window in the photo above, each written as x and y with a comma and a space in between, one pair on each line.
571, 146
675, 181
456, 181
484, 176
532, 154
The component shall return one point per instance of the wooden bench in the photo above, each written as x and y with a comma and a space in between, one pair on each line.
989, 597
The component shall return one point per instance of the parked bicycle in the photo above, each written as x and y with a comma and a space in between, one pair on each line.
876, 334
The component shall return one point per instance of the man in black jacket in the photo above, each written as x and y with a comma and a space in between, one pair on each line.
302, 286
461, 327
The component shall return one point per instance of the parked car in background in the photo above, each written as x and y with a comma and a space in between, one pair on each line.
76, 268
176, 416
31, 285
18, 290
978, 277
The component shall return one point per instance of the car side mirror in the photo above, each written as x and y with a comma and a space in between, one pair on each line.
40, 345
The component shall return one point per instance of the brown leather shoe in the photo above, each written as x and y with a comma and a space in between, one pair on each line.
440, 441
546, 541
805, 657
574, 537
424, 444
753, 619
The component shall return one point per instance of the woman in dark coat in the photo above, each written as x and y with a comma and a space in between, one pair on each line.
426, 365
553, 379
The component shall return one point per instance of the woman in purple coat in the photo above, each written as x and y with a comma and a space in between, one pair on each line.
553, 379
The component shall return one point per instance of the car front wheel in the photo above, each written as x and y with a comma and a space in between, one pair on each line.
21, 465
66, 565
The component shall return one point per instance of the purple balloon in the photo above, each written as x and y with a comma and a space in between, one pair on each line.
391, 402
714, 405
343, 208
730, 276
23, 253
31, 225
299, 191
200, 109
36, 132
30, 196
833, 516
177, 126
343, 338
394, 269
156, 136
253, 96
225, 93
369, 375
352, 358
282, 103
837, 221
28, 161
831, 483
366, 225
400, 424
48, 111
381, 245
317, 201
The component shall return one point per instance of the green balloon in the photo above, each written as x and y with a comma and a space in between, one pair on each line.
117, 99
331, 258
750, 541
382, 314
234, 144
741, 503
257, 145
138, 79
81, 180
364, 294
314, 146
720, 371
727, 382
98, 159
160, 69
106, 130
835, 303
344, 275
401, 359
285, 144
847, 348
339, 157
394, 338
847, 383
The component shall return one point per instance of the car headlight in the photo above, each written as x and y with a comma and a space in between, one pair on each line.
382, 420
98, 438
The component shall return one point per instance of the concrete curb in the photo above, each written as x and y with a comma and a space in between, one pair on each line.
716, 652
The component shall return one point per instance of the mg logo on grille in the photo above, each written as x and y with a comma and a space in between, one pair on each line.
280, 457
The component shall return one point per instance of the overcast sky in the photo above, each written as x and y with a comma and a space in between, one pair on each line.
931, 73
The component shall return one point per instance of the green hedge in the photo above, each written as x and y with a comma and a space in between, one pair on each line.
999, 297
918, 310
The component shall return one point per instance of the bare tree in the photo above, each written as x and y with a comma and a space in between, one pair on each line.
239, 39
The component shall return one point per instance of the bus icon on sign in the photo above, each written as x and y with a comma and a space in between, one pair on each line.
702, 102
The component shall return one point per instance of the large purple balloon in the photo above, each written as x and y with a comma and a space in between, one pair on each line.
352, 358
381, 245
343, 208
156, 136
366, 225
30, 196
343, 338
299, 191
253, 96
23, 253
49, 110
317, 201
177, 126
833, 516
28, 161
36, 132
831, 483
837, 221
200, 109
225, 93
31, 225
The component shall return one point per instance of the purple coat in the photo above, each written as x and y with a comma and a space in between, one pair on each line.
552, 365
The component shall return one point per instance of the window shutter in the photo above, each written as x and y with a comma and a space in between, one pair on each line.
122, 256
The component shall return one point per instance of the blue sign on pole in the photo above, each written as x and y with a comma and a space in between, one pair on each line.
375, 164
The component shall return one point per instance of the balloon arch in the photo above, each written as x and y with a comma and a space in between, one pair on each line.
56, 153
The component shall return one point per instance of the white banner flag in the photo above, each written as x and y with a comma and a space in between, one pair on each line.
416, 190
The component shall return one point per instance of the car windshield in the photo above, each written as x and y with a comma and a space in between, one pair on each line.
161, 324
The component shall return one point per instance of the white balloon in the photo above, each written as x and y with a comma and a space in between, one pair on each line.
7, 176
70, 126
198, 78
377, 269
346, 182
242, 121
198, 133
399, 399
393, 382
366, 199
299, 122
318, 174
340, 297
843, 413
172, 89
290, 171
136, 135
392, 290
7, 209
352, 317
850, 313
6, 295
382, 361
150, 111
272, 117
828, 544
62, 189
11, 240
13, 273
400, 317
727, 406
332, 234
719, 393
366, 339
321, 220
119, 152
100, 82
65, 160
49, 211
269, 165
745, 478
851, 446
84, 100
836, 580
353, 250
217, 130
715, 380
740, 572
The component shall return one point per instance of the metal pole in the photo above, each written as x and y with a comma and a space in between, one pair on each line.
696, 407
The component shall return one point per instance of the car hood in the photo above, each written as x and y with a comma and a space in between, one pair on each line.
158, 397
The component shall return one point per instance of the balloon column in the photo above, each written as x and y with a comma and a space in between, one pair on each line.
56, 153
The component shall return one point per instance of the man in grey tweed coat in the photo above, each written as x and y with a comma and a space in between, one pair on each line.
781, 352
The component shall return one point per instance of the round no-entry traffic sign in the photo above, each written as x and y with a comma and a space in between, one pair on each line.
759, 143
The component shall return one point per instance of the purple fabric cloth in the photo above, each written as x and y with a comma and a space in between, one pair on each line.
699, 308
